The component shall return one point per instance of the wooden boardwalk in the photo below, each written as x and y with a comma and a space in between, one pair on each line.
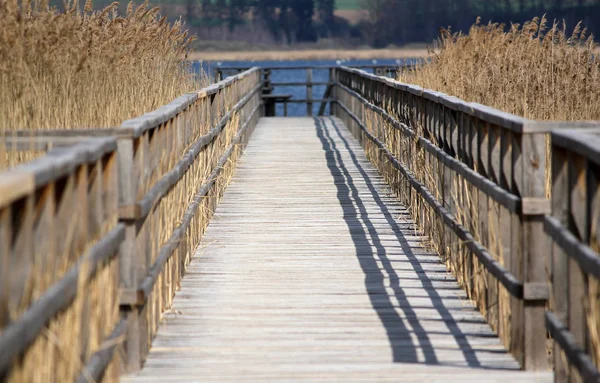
311, 271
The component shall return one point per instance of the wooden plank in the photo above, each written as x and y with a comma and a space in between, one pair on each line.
536, 248
494, 174
15, 338
559, 262
480, 276
577, 279
6, 232
14, 185
310, 269
309, 92
517, 346
128, 190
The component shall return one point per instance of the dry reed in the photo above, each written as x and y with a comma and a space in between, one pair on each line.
536, 71
83, 68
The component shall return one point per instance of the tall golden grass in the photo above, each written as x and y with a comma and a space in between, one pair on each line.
538, 71
78, 68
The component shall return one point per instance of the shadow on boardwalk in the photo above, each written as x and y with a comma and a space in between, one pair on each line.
400, 331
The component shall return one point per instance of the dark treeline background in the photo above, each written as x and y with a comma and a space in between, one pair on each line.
405, 21
285, 21
378, 23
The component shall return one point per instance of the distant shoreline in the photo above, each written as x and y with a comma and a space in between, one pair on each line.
309, 54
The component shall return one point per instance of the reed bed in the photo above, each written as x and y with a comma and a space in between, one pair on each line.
80, 68
68, 341
540, 70
86, 69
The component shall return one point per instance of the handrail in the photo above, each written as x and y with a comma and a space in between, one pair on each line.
574, 260
477, 161
59, 212
316, 67
155, 166
513, 286
485, 113
163, 114
138, 173
451, 153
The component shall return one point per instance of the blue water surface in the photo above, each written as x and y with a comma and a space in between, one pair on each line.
297, 75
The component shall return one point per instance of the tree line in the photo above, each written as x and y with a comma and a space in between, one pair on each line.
389, 21
288, 20
405, 21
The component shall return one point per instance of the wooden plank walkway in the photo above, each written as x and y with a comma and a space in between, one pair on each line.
311, 271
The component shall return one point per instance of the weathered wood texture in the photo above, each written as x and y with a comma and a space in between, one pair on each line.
574, 319
475, 179
169, 169
312, 271
174, 170
59, 275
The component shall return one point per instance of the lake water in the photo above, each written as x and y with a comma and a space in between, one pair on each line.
298, 92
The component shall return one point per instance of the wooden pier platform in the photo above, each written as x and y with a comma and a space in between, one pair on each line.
311, 271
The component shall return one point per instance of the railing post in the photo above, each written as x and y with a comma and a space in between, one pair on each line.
309, 103
333, 94
267, 89
128, 190
560, 261
578, 290
217, 75
531, 174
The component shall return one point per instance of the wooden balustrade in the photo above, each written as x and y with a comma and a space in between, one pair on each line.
97, 226
574, 265
59, 275
181, 157
477, 182
155, 184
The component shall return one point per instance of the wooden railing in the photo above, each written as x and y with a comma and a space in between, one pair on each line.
276, 92
169, 170
477, 182
174, 169
59, 273
574, 264
96, 233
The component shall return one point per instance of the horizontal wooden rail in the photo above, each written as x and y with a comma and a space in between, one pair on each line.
59, 236
491, 189
166, 252
476, 192
302, 84
147, 175
512, 285
574, 264
141, 209
479, 111
482, 174
178, 147
314, 67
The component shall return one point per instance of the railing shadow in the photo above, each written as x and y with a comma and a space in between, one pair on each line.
401, 330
